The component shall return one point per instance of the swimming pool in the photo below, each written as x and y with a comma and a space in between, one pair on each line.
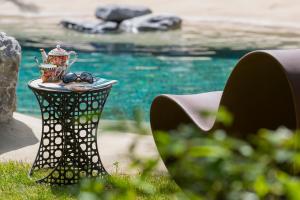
141, 77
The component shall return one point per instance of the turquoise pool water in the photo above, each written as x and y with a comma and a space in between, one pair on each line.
141, 77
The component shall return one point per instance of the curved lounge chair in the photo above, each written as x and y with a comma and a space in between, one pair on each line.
263, 91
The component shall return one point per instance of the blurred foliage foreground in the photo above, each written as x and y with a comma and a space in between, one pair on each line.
212, 166
265, 165
217, 166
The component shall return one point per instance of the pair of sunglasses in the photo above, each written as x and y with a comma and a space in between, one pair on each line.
84, 76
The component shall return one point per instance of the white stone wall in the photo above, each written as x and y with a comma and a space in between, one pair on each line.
10, 57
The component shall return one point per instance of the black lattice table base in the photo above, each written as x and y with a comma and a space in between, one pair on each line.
68, 146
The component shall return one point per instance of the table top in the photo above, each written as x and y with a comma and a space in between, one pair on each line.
100, 83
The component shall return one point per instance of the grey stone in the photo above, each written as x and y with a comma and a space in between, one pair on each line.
106, 27
10, 57
90, 27
151, 23
118, 13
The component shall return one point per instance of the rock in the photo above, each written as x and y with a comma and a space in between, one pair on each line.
78, 26
118, 13
89, 27
106, 27
10, 57
151, 23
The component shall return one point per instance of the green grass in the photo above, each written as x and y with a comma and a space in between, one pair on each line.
15, 184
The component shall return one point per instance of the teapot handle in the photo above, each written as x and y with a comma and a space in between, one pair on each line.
74, 59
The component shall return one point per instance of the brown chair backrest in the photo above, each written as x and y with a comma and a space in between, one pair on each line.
263, 91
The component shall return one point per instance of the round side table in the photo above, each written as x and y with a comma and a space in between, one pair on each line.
68, 146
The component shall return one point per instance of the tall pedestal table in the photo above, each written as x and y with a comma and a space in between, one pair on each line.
68, 145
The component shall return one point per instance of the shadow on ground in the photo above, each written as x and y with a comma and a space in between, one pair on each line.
15, 135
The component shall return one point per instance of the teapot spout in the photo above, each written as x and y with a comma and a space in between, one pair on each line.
44, 55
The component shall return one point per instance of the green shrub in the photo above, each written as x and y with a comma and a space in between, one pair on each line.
217, 166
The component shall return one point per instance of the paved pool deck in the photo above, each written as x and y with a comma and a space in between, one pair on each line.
20, 141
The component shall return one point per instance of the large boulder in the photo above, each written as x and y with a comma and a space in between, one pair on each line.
10, 57
90, 27
118, 13
151, 23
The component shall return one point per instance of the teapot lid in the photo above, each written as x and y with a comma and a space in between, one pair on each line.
58, 52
